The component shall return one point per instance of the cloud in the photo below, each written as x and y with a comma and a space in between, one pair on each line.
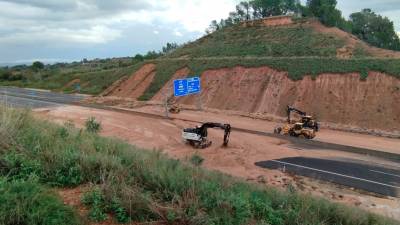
67, 22
74, 5
77, 28
178, 34
44, 35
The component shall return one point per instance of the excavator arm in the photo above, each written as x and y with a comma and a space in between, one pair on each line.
292, 109
226, 127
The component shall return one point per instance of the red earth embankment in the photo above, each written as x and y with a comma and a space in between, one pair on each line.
341, 99
335, 98
133, 86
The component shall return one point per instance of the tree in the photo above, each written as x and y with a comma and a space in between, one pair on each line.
214, 26
152, 55
5, 75
138, 57
243, 12
266, 8
256, 9
326, 11
375, 29
170, 47
37, 65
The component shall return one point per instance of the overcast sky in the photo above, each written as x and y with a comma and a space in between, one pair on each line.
65, 30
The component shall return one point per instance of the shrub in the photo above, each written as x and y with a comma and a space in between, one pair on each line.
26, 202
92, 125
196, 160
95, 200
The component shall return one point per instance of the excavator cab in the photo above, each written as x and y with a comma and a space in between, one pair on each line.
197, 137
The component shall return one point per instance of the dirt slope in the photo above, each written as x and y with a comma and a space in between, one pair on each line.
135, 85
335, 98
167, 89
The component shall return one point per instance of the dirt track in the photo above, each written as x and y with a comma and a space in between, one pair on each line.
243, 151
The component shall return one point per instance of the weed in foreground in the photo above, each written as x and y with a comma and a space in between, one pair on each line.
27, 202
92, 125
196, 160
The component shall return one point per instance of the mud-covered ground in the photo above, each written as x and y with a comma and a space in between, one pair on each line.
244, 149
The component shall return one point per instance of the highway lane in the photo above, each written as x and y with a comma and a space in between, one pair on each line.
363, 175
19, 102
31, 98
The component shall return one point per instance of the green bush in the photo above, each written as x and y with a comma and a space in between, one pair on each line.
92, 125
26, 202
196, 160
95, 200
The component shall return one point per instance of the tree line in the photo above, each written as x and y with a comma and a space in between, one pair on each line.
367, 25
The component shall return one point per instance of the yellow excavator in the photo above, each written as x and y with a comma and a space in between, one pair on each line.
173, 106
306, 127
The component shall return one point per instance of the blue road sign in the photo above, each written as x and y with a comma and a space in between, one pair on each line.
187, 86
180, 87
193, 85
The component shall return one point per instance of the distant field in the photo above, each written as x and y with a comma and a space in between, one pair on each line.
92, 78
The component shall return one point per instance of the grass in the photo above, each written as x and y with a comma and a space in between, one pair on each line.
27, 202
143, 186
196, 160
286, 41
297, 68
92, 125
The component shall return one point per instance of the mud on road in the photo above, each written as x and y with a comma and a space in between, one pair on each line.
244, 149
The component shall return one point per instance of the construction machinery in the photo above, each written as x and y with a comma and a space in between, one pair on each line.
306, 127
173, 106
197, 137
174, 109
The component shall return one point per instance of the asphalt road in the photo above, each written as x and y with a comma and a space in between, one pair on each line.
358, 174
30, 98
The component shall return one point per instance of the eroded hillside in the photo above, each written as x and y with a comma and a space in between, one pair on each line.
263, 66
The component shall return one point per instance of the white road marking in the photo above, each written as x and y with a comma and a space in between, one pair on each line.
390, 174
337, 174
